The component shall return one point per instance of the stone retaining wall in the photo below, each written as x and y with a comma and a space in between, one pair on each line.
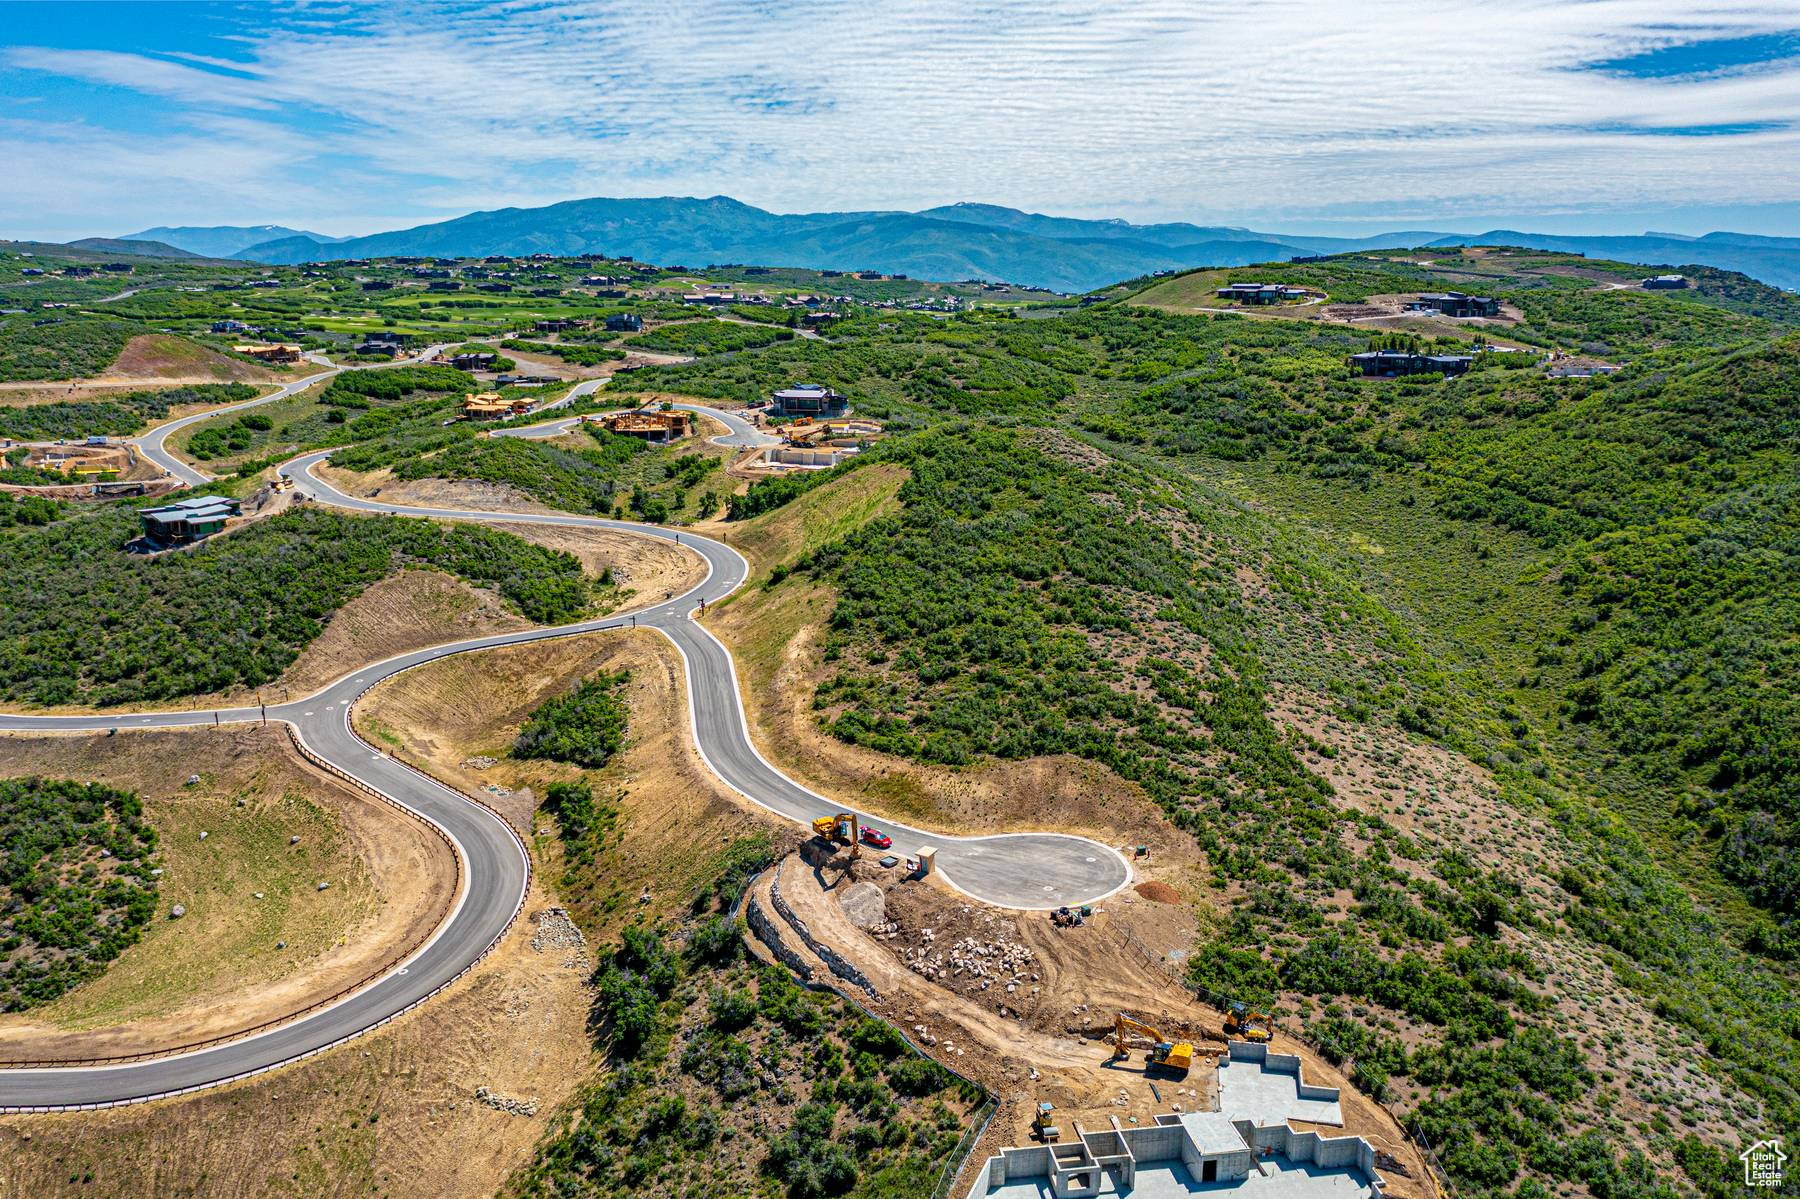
834, 961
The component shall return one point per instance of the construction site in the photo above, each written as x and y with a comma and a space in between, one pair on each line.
808, 444
1111, 1076
658, 428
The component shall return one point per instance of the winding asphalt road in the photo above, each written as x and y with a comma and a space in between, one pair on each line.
152, 444
1017, 870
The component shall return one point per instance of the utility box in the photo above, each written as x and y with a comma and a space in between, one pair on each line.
927, 862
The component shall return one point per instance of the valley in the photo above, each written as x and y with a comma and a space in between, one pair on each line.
1438, 714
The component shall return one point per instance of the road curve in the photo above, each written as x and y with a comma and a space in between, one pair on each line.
152, 445
1019, 870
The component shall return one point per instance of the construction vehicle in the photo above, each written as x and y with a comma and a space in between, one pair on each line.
1247, 1024
1175, 1056
836, 830
1042, 1129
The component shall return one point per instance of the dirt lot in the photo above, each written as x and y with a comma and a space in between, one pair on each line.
245, 887
1049, 1038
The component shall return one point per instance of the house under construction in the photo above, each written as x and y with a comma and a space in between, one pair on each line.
1248, 1145
657, 427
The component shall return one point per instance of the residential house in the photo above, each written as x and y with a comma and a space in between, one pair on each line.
808, 399
187, 520
1394, 363
1455, 303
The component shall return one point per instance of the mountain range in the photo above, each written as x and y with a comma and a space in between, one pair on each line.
223, 241
957, 241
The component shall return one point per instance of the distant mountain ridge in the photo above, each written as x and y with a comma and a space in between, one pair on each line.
222, 241
955, 241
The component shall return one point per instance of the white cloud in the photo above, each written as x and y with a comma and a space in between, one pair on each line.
1177, 109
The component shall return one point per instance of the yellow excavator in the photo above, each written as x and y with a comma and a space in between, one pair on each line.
1247, 1024
836, 830
1175, 1056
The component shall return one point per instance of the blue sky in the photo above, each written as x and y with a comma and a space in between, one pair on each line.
1333, 116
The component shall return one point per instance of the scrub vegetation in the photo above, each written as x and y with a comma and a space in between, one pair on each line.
95, 625
76, 887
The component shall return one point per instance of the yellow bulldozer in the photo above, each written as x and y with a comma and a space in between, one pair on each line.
1174, 1056
1247, 1024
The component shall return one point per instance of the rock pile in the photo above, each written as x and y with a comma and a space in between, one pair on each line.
981, 962
506, 1103
479, 762
555, 930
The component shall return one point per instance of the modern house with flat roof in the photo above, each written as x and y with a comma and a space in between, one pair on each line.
1455, 303
809, 399
188, 520
1247, 1145
1261, 293
624, 322
1666, 282
1391, 364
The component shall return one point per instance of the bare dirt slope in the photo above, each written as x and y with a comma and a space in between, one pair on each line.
407, 611
221, 968
166, 358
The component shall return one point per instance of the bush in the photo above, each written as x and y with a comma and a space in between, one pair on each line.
584, 728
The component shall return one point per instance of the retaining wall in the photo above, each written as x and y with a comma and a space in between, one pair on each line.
834, 961
769, 935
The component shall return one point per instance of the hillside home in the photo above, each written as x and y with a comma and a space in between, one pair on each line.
271, 353
1666, 282
491, 405
655, 427
1388, 364
1261, 293
808, 399
1455, 303
187, 520
624, 322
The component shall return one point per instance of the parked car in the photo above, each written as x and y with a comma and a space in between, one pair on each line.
877, 838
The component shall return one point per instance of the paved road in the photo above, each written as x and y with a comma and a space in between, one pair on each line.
1024, 870
740, 433
152, 445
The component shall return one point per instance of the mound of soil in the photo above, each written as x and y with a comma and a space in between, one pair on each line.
1157, 892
